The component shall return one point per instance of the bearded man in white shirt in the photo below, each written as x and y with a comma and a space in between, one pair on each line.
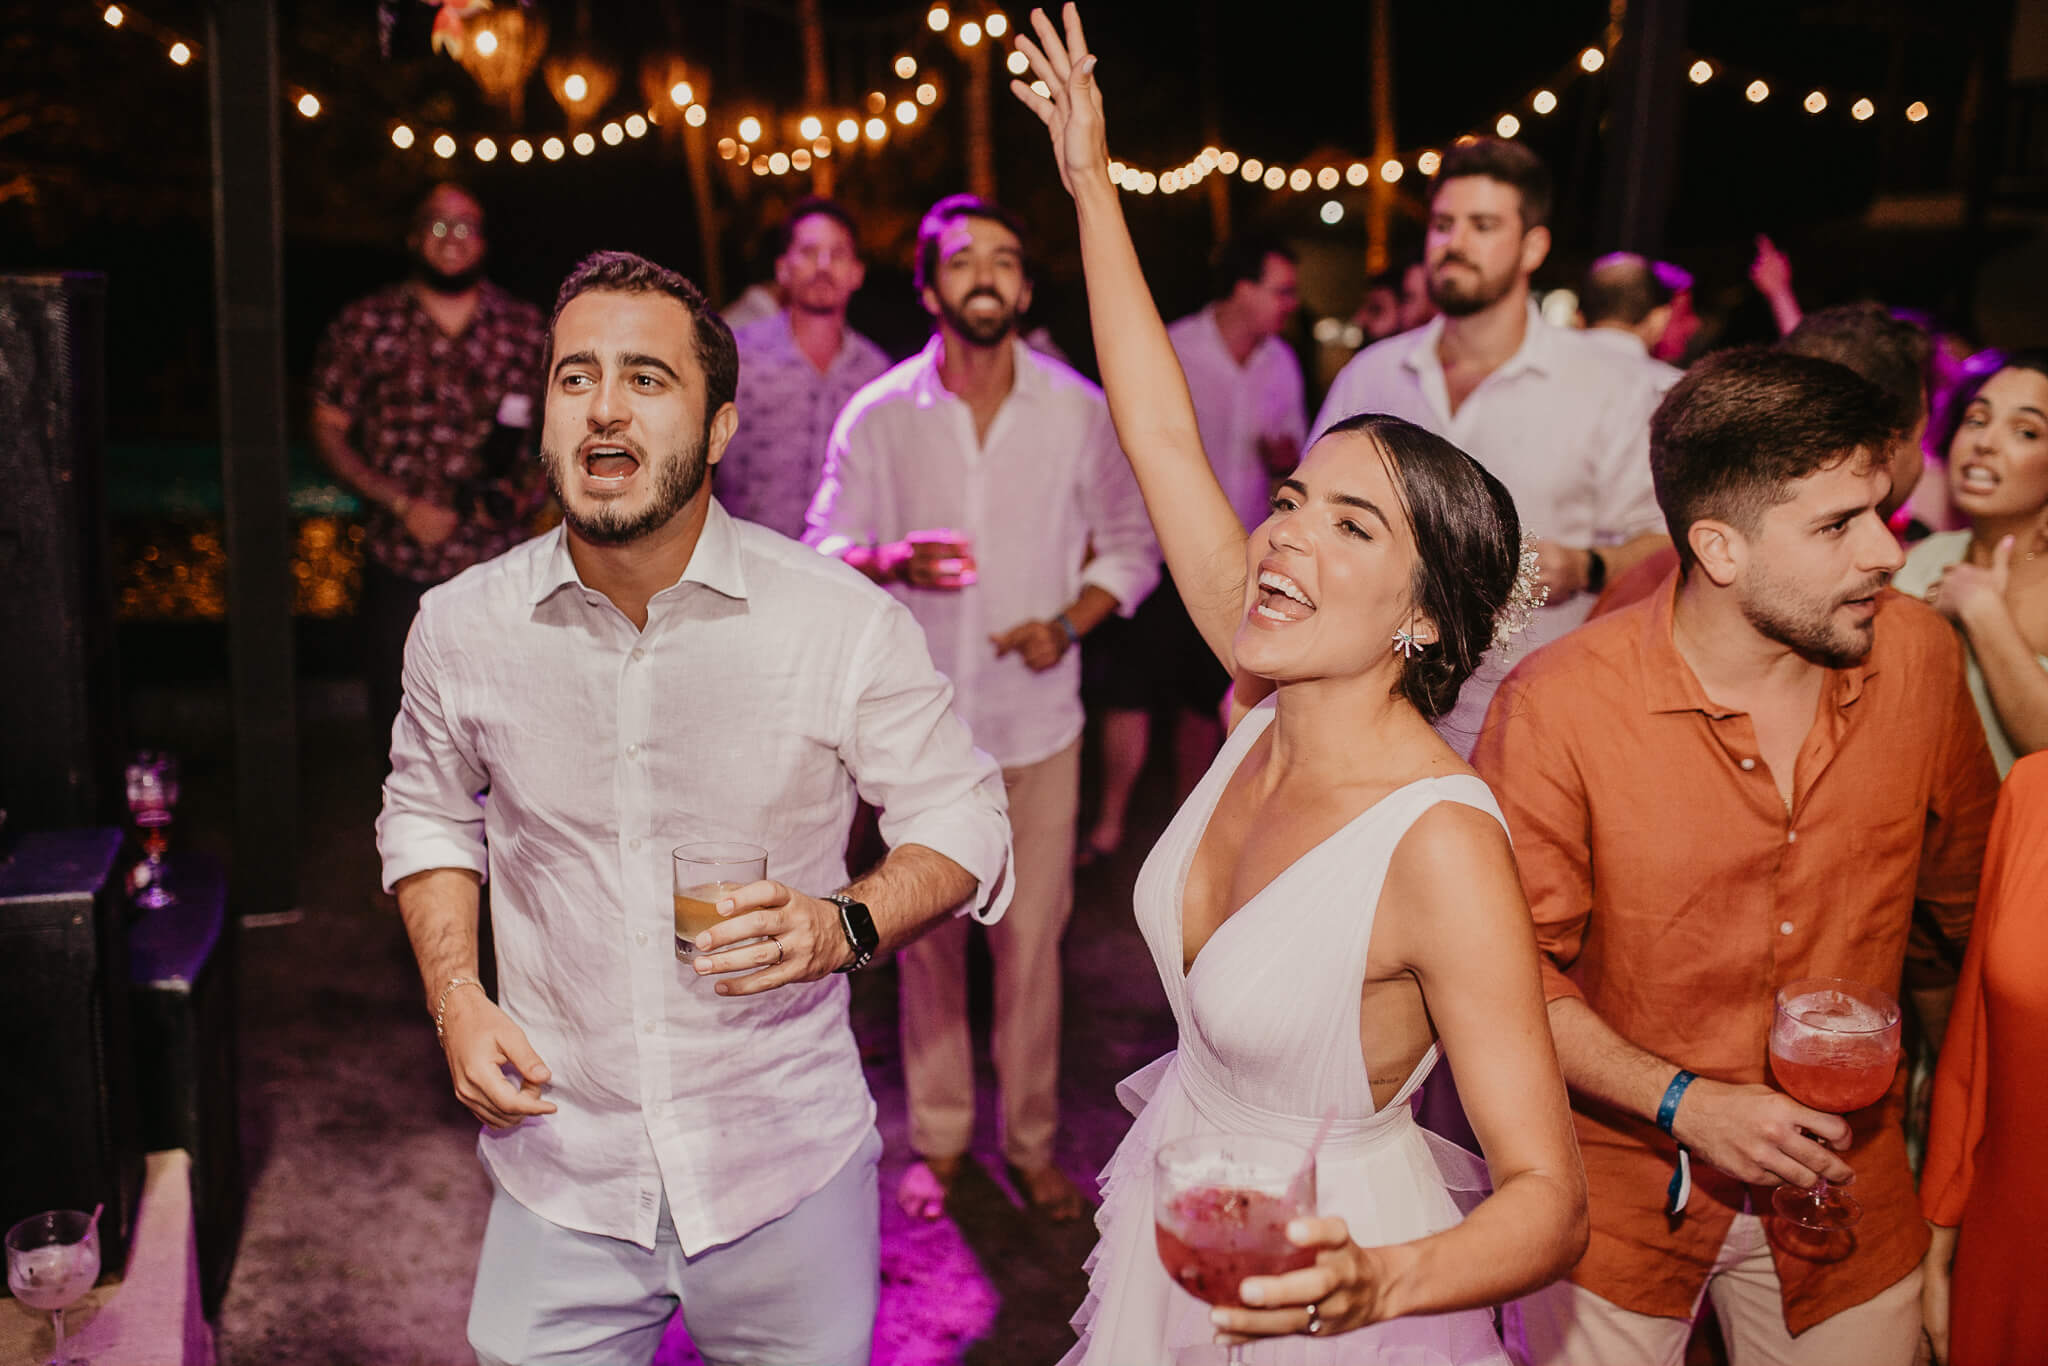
654, 673
1563, 422
981, 482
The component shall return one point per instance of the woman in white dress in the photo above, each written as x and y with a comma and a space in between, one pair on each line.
1338, 898
1992, 579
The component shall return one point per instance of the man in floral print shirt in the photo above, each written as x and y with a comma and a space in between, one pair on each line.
423, 397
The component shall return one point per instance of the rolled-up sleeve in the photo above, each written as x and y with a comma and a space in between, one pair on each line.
913, 759
1536, 785
1625, 493
431, 818
1126, 560
843, 509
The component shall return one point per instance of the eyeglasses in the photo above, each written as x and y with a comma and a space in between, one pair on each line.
460, 229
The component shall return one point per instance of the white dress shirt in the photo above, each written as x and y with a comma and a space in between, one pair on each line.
1236, 405
1623, 342
768, 684
1047, 501
1564, 423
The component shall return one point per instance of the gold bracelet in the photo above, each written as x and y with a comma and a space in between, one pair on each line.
441, 1006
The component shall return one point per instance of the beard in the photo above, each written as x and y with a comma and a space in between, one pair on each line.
675, 484
983, 331
1799, 623
1457, 298
445, 282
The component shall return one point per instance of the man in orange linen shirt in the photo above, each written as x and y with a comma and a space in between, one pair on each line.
1762, 772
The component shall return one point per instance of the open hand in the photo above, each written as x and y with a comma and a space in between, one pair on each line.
1072, 107
1347, 1286
1771, 271
1966, 589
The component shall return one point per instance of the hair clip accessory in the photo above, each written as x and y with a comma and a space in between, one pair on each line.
1524, 599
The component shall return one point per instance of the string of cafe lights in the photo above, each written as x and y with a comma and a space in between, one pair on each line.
1539, 102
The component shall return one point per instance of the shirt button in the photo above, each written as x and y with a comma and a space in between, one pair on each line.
639, 653
632, 751
640, 938
1784, 927
1791, 837
647, 1028
632, 844
1748, 764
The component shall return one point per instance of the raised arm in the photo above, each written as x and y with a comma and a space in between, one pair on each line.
1199, 534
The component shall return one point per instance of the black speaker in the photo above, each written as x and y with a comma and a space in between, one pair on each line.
181, 959
59, 708
66, 1071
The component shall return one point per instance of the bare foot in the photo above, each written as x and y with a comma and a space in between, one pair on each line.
1048, 1191
922, 1191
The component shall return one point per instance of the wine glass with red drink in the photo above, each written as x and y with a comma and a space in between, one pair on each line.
1222, 1203
1834, 1047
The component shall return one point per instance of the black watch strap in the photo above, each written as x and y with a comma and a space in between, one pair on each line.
859, 924
1596, 570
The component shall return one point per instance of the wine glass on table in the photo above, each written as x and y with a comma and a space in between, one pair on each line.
1222, 1203
1834, 1047
152, 797
52, 1260
705, 873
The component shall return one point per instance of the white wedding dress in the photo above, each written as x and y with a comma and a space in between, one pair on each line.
1269, 1040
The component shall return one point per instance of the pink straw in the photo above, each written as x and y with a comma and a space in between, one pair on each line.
94, 1222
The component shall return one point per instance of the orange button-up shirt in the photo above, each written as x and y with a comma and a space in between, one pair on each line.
1674, 893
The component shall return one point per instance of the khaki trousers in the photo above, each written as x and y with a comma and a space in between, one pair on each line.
938, 1054
1566, 1325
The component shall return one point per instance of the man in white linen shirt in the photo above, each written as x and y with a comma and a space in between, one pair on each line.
982, 483
1562, 421
1627, 304
655, 673
1250, 409
798, 368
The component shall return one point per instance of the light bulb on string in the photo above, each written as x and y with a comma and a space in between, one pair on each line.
927, 94
486, 43
444, 146
1332, 212
726, 148
1508, 125
848, 130
1018, 63
613, 134
1327, 178
1254, 169
906, 113
1299, 180
696, 115
636, 126
1543, 102
680, 94
876, 130
997, 24
1701, 73
778, 164
970, 34
1757, 92
180, 54
309, 105
1227, 162
584, 144
575, 87
113, 15
1815, 102
906, 66
1592, 59
1862, 110
1427, 163
552, 149
750, 129
1041, 89
401, 137
522, 151
821, 148
1357, 173
1916, 111
1275, 178
800, 159
810, 127
1390, 170
760, 166
938, 18
486, 150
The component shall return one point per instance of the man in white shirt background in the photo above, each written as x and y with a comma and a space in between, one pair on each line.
1250, 408
798, 367
1562, 421
981, 482
1626, 304
654, 673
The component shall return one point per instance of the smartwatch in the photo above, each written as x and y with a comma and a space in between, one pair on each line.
860, 930
1596, 571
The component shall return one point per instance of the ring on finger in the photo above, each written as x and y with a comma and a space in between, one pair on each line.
779, 952
1315, 1322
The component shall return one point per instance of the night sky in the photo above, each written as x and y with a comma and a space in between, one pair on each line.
112, 140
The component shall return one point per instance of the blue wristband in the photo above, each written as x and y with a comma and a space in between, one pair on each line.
1073, 636
1667, 1109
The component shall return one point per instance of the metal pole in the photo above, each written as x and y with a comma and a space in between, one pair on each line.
817, 86
1635, 195
249, 303
1380, 200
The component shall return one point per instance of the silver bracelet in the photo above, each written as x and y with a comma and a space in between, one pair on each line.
441, 1006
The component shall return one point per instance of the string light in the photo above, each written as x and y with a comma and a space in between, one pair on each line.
800, 159
180, 54
1254, 169
1332, 212
906, 113
1426, 163
1041, 89
1701, 72
906, 66
575, 87
726, 147
613, 135
939, 17
401, 137
1591, 60
1227, 162
1390, 170
876, 130
584, 144
997, 24
309, 105
1275, 178
113, 16
848, 129
552, 149
680, 94
1357, 173
1862, 110
444, 147
778, 164
636, 127
811, 126
927, 94
1299, 181
486, 44
1327, 178
1815, 102
750, 129
1018, 63
1915, 112
1508, 125
486, 150
1543, 102
970, 34
522, 151
1757, 92
695, 115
